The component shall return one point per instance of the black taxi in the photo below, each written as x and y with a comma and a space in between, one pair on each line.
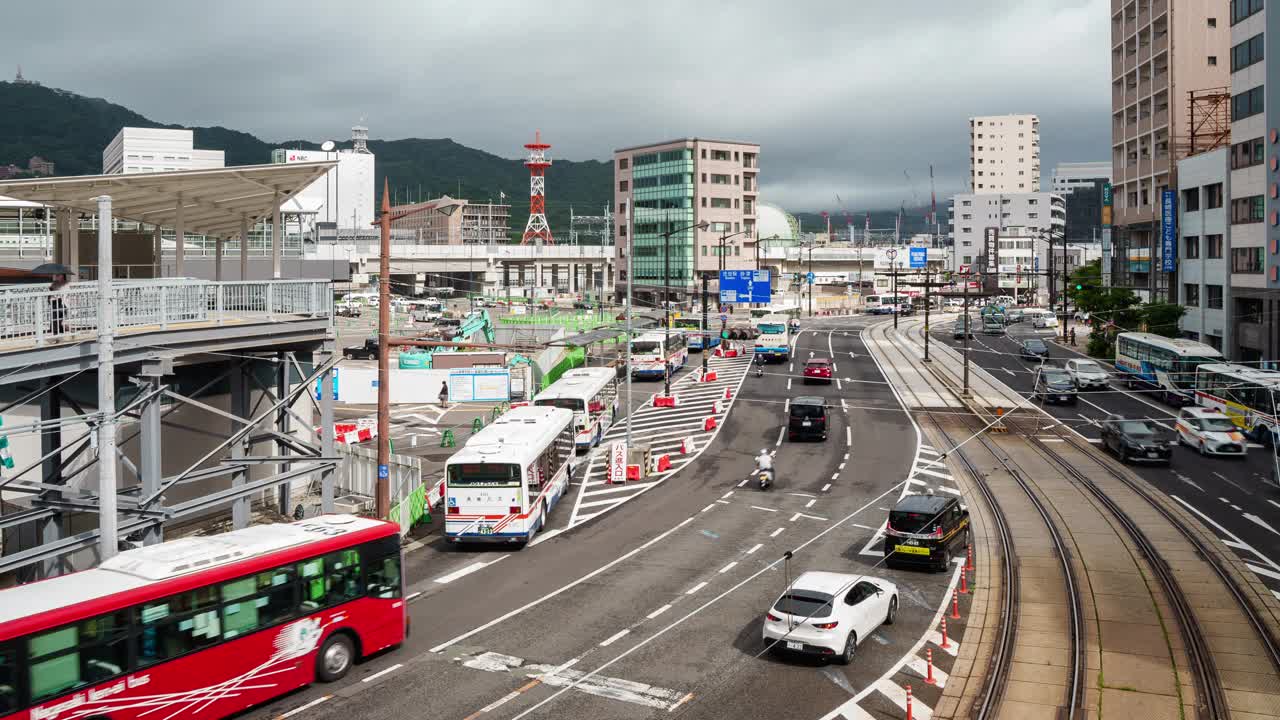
926, 530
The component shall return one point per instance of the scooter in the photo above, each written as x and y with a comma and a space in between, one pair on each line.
759, 369
766, 478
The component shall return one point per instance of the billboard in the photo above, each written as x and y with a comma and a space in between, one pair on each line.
919, 257
1168, 231
744, 286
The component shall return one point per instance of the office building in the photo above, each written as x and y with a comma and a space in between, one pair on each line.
1161, 51
1204, 242
1253, 298
137, 150
674, 186
1004, 154
971, 214
451, 221
1068, 176
344, 197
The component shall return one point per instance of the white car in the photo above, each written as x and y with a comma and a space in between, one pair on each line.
954, 303
1087, 374
1046, 321
1209, 431
827, 614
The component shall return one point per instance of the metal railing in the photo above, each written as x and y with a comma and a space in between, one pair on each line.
40, 316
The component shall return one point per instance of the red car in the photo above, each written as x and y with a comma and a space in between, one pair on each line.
818, 370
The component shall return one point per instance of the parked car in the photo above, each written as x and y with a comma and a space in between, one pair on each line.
954, 303
926, 529
1209, 431
1033, 349
1045, 321
1054, 385
583, 305
1087, 374
807, 418
827, 614
1135, 440
365, 351
818, 370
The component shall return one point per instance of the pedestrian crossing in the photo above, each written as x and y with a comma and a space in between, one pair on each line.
664, 430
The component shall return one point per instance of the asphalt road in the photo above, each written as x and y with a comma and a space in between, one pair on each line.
1233, 493
660, 602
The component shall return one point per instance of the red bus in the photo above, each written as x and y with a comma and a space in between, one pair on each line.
202, 627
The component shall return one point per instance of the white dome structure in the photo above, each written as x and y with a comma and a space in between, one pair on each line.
774, 222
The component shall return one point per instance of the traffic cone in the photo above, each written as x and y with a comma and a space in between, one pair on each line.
964, 581
908, 702
969, 563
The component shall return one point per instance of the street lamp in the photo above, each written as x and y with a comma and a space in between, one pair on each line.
383, 499
892, 254
666, 300
706, 334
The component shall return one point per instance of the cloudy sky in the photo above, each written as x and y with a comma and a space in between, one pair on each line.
843, 95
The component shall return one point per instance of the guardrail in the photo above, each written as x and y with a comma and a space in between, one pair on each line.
44, 316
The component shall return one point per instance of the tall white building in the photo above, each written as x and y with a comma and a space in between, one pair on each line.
1004, 154
344, 195
138, 150
1068, 176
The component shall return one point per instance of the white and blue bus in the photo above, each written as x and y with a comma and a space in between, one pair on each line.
592, 395
1167, 365
774, 340
657, 352
502, 484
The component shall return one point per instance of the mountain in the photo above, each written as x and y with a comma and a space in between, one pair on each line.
71, 130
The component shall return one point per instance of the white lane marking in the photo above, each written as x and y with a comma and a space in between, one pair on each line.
728, 567
723, 502
676, 706
726, 495
933, 473
838, 385
659, 611
864, 527
1232, 540
791, 367
946, 489
848, 436
744, 482
708, 507
380, 673
835, 476
303, 708
463, 572
826, 487
614, 637
810, 503
1265, 572
754, 548
500, 701
803, 515
757, 507
1088, 419
788, 383
781, 432
1256, 520
776, 533
841, 466
696, 588
1273, 502
844, 405
412, 596
846, 456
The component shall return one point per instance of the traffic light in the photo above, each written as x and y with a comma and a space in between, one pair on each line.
1079, 287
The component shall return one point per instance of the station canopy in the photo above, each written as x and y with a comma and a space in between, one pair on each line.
214, 201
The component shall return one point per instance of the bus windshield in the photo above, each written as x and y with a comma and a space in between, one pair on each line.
772, 328
574, 404
478, 475
646, 346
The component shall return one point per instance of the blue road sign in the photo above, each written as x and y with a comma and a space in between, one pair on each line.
384, 471
919, 257
808, 277
745, 286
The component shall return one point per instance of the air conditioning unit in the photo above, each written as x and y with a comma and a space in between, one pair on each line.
353, 504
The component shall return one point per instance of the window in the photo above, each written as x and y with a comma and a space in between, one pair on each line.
1191, 294
1191, 200
177, 625
76, 655
704, 153
622, 186
1241, 9
719, 227
622, 207
1246, 104
736, 179
330, 580
735, 155
1246, 260
1213, 196
704, 175
259, 601
623, 163
8, 679
966, 229
719, 179
1214, 249
1247, 210
1213, 61
1215, 297
1191, 247
1247, 53
704, 251
1213, 22
1033, 215
737, 205
704, 202
966, 203
720, 203
1247, 154
719, 154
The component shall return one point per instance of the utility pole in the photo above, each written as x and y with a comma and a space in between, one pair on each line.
928, 285
811, 281
666, 308
892, 254
383, 487
706, 335
631, 281
1066, 280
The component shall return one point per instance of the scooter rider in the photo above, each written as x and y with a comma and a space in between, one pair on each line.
758, 361
764, 464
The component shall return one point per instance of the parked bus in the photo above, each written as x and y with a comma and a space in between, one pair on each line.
774, 341
203, 627
592, 395
1166, 364
1247, 395
656, 353
502, 484
694, 332
884, 304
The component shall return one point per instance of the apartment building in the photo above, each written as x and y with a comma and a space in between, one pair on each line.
1004, 154
670, 187
1253, 298
1204, 242
1161, 50
453, 221
971, 214
135, 150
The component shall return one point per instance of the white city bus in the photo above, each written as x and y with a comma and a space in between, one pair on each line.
1247, 395
884, 304
592, 395
774, 340
1166, 364
658, 352
500, 486
791, 311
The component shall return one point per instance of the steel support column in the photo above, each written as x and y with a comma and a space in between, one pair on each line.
108, 523
282, 427
51, 529
179, 238
327, 444
150, 466
244, 247
239, 449
277, 238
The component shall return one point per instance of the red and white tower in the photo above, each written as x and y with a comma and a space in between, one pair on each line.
538, 162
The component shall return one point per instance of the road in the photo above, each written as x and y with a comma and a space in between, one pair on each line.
654, 608
1234, 495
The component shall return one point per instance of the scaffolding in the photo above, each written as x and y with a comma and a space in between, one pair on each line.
1209, 121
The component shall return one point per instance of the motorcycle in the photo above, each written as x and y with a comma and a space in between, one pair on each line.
759, 370
766, 479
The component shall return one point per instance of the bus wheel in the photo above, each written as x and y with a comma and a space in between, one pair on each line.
335, 658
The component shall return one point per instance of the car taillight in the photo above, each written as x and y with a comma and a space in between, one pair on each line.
453, 510
825, 626
514, 509
772, 617
937, 532
888, 530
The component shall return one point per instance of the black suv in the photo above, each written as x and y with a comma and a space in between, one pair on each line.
926, 530
1054, 385
1135, 440
807, 418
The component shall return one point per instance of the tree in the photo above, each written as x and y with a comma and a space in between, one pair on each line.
1110, 309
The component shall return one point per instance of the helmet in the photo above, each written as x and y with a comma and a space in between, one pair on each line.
764, 451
